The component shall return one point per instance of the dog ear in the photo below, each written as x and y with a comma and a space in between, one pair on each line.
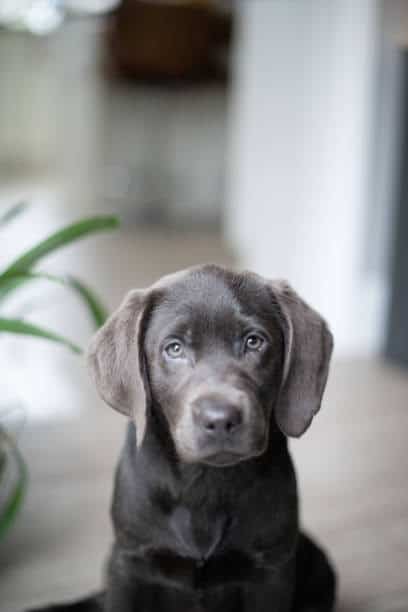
114, 360
308, 348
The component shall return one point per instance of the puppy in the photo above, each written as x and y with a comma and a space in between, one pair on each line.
215, 370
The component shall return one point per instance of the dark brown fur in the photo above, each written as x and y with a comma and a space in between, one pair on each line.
205, 504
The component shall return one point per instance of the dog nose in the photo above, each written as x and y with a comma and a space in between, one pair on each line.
217, 418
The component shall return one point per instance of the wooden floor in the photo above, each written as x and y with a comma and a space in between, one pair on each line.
352, 464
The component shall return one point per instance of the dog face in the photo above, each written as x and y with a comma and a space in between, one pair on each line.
219, 354
214, 353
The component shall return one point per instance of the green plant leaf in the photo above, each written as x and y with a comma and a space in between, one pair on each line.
61, 238
9, 283
13, 212
13, 504
95, 307
18, 326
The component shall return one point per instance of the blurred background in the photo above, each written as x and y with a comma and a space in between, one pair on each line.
263, 134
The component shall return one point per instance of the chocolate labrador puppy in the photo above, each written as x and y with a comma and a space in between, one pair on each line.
215, 370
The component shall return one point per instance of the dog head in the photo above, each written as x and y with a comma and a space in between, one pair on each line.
219, 354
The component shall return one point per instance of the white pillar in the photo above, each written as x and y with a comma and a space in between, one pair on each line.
301, 131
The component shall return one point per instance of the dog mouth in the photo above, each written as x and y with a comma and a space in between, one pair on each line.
221, 454
224, 459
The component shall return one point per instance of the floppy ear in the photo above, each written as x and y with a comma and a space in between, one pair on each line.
308, 348
114, 361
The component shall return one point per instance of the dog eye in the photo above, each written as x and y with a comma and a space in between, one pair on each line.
253, 342
174, 350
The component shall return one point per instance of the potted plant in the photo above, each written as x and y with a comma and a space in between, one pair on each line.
13, 470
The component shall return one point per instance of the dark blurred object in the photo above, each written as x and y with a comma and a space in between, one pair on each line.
397, 326
169, 40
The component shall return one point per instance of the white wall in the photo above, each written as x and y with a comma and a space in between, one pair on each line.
301, 154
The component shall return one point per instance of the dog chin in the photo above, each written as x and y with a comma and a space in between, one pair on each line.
215, 459
224, 459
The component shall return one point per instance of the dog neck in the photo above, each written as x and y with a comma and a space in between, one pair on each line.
190, 501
